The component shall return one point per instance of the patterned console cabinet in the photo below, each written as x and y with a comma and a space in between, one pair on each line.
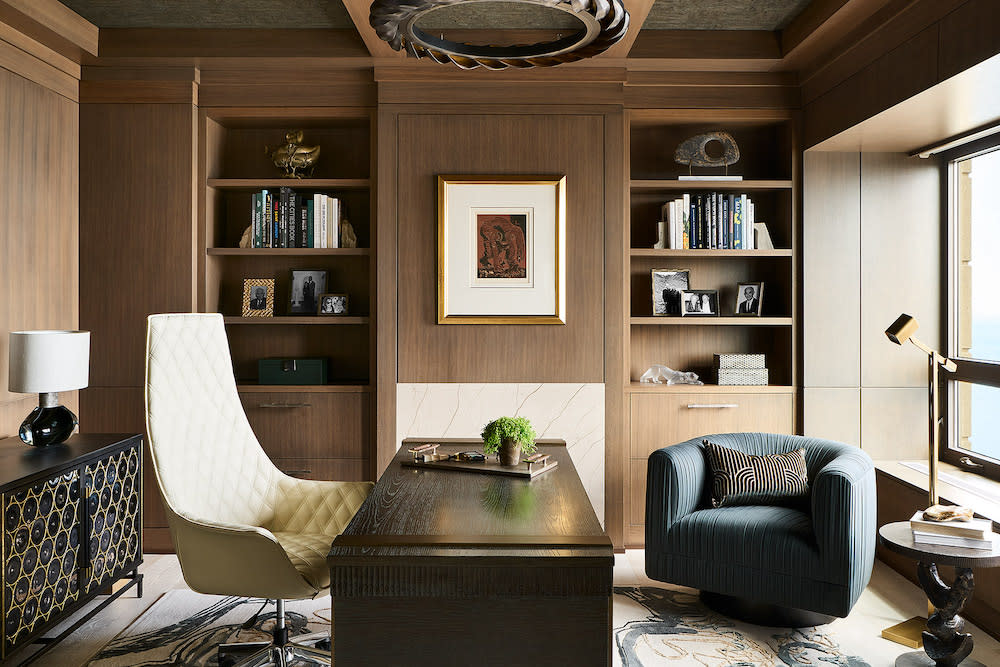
72, 527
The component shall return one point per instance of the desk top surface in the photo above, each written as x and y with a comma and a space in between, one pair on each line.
446, 512
20, 462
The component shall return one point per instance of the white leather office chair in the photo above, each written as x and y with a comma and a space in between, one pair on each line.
240, 526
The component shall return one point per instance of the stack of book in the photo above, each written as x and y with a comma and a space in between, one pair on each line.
973, 534
740, 369
707, 220
290, 219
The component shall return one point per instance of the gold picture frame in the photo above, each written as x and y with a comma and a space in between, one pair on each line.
251, 297
501, 249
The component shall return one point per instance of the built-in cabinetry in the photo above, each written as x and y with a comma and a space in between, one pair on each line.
315, 431
661, 415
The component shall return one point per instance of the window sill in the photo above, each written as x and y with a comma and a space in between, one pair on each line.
955, 486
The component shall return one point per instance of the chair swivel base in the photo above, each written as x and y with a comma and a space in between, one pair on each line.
762, 613
280, 652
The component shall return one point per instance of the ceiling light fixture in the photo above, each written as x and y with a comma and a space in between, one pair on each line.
601, 24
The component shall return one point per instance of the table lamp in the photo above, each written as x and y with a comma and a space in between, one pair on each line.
45, 363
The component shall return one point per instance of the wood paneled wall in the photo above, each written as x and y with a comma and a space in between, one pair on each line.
39, 187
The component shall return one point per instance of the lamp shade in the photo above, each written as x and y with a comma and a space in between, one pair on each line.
48, 361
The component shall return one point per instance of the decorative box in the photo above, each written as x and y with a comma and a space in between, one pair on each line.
739, 361
292, 371
742, 376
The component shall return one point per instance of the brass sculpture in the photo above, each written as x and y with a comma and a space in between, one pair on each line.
348, 238
296, 160
691, 151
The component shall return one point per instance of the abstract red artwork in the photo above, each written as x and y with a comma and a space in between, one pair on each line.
501, 246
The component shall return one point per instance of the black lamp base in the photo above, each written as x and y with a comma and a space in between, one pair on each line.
48, 426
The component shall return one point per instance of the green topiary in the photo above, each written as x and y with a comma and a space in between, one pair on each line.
518, 429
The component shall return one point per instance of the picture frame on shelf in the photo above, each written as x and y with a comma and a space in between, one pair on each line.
749, 299
306, 286
258, 297
700, 303
668, 285
333, 305
501, 249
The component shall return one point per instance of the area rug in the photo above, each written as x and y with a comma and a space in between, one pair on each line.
184, 628
670, 626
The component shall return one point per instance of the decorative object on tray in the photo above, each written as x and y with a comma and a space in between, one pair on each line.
258, 297
596, 25
307, 285
667, 287
749, 298
292, 372
296, 160
428, 455
700, 303
333, 304
694, 152
45, 363
660, 374
501, 249
507, 437
740, 369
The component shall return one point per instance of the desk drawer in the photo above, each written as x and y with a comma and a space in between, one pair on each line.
659, 420
310, 425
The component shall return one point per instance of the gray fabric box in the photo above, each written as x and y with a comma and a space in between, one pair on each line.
742, 376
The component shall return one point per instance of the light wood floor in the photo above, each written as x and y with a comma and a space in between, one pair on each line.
889, 599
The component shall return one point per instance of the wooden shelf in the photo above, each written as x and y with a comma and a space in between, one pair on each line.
297, 320
285, 252
655, 252
650, 185
646, 388
253, 387
695, 321
294, 183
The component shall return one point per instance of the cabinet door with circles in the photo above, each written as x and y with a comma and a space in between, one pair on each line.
42, 537
114, 517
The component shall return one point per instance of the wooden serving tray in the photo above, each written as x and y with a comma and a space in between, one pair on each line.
487, 467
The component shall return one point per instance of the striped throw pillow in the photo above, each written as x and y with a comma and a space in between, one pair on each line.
746, 479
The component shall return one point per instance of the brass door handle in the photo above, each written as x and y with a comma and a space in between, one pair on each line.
284, 405
710, 406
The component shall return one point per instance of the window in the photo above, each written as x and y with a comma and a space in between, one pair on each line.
974, 307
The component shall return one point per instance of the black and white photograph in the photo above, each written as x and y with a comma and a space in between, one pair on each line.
700, 303
258, 297
333, 304
307, 285
749, 297
667, 287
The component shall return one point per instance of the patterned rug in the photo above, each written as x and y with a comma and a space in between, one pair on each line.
653, 627
670, 626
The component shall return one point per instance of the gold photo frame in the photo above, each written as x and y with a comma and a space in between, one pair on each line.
258, 297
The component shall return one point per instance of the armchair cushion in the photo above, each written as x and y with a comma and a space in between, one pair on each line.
747, 479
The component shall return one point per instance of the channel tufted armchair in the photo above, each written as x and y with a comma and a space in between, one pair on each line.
814, 555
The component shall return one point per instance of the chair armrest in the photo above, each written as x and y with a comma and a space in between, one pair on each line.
675, 485
843, 515
317, 507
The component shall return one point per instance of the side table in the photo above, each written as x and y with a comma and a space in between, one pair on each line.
945, 643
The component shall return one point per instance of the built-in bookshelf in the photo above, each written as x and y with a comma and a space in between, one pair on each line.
235, 166
660, 415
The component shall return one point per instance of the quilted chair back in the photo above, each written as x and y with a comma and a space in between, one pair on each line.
208, 462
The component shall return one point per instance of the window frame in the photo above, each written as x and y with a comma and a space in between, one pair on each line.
972, 371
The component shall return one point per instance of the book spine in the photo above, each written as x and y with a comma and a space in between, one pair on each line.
324, 215
696, 209
731, 221
751, 219
334, 241
746, 239
714, 199
254, 226
738, 223
686, 210
671, 222
275, 221
310, 222
303, 225
268, 220
726, 221
294, 235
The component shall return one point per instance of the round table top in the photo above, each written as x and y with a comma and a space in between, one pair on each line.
898, 537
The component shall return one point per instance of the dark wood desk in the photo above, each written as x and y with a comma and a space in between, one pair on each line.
457, 568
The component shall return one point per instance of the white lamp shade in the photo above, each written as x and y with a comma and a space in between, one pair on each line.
49, 361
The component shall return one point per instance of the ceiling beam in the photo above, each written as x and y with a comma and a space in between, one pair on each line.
359, 11
638, 10
821, 27
224, 43
52, 24
706, 50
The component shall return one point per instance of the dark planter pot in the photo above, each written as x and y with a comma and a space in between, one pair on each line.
510, 453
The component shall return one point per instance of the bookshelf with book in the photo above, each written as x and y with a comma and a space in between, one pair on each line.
708, 232
286, 225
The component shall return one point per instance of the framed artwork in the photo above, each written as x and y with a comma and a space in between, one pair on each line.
258, 297
749, 298
332, 304
307, 285
501, 249
700, 303
667, 287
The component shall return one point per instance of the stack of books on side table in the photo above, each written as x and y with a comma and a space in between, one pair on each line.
972, 534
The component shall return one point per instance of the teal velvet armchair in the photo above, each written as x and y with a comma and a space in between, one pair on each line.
814, 555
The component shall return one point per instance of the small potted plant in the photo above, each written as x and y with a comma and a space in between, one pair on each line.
508, 437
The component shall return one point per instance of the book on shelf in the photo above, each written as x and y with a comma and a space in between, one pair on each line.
711, 220
989, 543
978, 529
291, 219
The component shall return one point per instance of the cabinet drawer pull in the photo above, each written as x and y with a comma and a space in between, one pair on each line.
284, 405
297, 473
710, 406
